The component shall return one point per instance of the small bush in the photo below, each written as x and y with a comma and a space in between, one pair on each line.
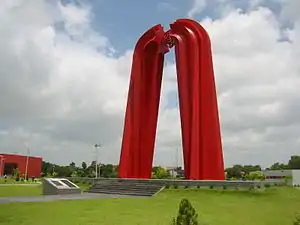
175, 186
186, 186
187, 215
258, 186
297, 220
211, 187
198, 186
267, 185
167, 186
224, 187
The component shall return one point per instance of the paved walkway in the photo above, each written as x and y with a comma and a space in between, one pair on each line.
49, 198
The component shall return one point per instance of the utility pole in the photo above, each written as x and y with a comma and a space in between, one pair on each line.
27, 161
96, 146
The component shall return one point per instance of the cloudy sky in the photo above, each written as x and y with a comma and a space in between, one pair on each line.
65, 66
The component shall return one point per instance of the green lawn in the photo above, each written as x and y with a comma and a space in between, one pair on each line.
30, 190
275, 206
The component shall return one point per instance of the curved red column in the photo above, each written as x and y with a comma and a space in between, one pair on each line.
142, 105
201, 139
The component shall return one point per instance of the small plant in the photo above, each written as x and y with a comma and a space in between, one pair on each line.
211, 187
186, 186
175, 186
224, 187
187, 215
258, 186
167, 186
297, 220
198, 186
267, 185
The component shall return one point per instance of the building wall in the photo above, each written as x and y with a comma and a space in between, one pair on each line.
277, 174
296, 177
34, 164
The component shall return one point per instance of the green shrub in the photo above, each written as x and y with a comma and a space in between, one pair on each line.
211, 187
187, 215
267, 185
198, 186
167, 186
186, 186
224, 187
175, 186
297, 220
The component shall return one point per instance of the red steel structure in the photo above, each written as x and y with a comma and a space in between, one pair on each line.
201, 138
8, 162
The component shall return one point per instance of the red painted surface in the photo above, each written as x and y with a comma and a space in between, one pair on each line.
201, 138
34, 164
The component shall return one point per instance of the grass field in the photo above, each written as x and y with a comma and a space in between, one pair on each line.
275, 206
30, 190
12, 181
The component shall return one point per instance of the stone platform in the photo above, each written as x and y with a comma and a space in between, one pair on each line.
51, 198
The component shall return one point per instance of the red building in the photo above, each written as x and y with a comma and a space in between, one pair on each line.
9, 162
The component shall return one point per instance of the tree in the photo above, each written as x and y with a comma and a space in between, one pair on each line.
160, 173
257, 175
107, 170
235, 171
84, 165
279, 166
294, 162
251, 168
187, 215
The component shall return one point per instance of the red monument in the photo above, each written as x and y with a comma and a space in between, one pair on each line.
201, 138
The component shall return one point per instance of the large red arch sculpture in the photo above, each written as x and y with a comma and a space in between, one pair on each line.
201, 138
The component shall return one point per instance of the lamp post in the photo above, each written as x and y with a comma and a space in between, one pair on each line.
96, 146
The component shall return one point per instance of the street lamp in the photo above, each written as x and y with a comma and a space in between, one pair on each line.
96, 146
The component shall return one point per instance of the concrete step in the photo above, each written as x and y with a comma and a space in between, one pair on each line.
116, 192
128, 189
125, 187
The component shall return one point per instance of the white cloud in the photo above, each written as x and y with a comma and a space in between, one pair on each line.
198, 6
62, 90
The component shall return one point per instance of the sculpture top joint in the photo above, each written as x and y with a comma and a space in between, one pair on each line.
168, 39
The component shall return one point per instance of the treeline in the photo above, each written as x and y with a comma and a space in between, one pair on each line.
238, 171
109, 170
83, 170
